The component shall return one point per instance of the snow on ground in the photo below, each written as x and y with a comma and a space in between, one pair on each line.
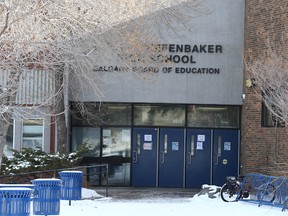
199, 205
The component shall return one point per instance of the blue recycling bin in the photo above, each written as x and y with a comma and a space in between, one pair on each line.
15, 201
47, 194
71, 185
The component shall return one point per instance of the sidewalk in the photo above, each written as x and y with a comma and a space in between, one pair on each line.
132, 193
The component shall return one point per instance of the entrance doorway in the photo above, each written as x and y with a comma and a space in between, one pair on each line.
178, 157
158, 157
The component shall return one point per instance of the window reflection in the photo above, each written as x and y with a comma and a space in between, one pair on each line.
86, 136
269, 119
159, 115
213, 116
32, 134
118, 114
118, 175
95, 114
116, 141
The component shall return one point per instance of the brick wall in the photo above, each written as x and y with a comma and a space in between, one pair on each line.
265, 19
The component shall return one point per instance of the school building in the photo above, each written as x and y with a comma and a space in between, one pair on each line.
195, 119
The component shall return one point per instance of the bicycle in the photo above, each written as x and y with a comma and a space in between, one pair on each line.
233, 190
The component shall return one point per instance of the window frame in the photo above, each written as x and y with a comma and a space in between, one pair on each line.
33, 138
268, 119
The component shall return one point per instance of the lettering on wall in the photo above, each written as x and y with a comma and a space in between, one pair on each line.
173, 58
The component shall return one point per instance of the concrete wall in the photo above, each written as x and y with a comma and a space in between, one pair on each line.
218, 36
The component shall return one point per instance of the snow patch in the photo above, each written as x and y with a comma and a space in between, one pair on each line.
212, 191
90, 194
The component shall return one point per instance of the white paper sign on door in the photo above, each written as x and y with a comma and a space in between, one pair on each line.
147, 137
227, 146
199, 146
201, 138
147, 146
175, 146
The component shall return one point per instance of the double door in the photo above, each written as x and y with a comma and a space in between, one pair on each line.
177, 157
157, 157
211, 156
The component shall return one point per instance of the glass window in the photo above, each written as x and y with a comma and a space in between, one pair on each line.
88, 136
159, 115
32, 136
117, 175
116, 141
213, 116
118, 114
8, 147
270, 120
95, 114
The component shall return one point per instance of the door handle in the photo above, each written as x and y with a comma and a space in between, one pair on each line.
219, 150
217, 159
165, 148
135, 158
192, 150
190, 158
165, 144
163, 157
138, 146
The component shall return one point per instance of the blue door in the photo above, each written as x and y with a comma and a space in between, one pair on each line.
225, 155
144, 157
198, 158
171, 157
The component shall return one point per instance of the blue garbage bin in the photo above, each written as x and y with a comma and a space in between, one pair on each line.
71, 185
17, 185
15, 201
47, 194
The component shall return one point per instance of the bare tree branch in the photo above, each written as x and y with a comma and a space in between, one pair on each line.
269, 73
40, 39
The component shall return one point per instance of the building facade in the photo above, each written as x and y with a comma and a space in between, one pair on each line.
264, 146
31, 125
195, 118
180, 127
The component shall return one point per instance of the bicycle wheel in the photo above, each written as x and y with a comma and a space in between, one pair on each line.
228, 195
266, 193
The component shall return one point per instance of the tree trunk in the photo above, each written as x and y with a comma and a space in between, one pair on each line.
61, 128
4, 125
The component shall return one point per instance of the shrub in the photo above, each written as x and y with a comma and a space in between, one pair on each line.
29, 160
